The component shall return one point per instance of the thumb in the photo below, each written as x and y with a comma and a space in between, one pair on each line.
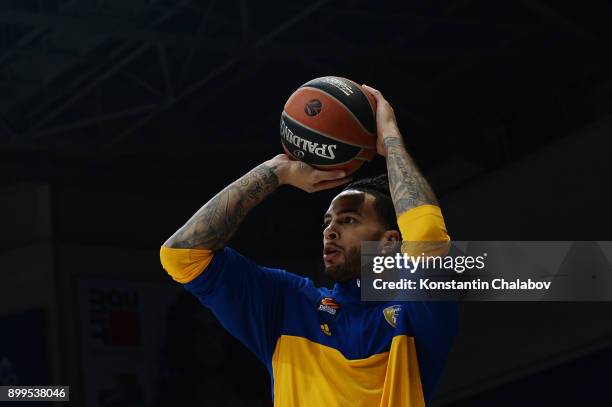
328, 175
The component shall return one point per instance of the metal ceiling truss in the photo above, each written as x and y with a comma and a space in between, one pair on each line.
42, 121
123, 44
86, 80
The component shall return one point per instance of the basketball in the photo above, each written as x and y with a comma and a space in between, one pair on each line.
330, 123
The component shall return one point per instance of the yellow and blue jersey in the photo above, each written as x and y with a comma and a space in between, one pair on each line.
325, 346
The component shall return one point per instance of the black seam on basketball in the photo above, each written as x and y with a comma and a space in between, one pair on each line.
324, 134
366, 96
346, 162
368, 132
315, 148
365, 160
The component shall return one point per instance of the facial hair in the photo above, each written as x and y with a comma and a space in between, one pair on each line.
351, 267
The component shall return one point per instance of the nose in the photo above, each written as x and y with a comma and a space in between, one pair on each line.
330, 232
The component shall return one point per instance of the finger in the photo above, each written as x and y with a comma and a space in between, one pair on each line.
375, 92
318, 175
283, 157
320, 186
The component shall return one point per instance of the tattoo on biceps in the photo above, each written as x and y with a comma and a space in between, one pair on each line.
215, 223
409, 188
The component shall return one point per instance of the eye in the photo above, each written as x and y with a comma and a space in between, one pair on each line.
349, 219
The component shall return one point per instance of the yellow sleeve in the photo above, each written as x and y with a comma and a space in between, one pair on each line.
424, 224
184, 265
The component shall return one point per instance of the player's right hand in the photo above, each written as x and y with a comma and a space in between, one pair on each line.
305, 177
386, 123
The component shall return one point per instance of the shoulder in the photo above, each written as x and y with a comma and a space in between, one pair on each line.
427, 317
231, 261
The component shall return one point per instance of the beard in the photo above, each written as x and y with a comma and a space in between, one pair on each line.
351, 267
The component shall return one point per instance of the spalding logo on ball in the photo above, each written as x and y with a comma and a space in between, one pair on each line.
330, 123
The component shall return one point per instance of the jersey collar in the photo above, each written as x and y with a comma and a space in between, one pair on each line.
349, 289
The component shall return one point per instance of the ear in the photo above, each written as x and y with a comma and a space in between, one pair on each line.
389, 241
391, 236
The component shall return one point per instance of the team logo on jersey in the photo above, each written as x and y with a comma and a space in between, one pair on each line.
325, 329
391, 313
329, 305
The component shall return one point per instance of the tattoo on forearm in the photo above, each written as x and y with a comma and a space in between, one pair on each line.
215, 223
409, 188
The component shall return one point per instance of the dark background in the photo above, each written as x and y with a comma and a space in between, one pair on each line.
119, 119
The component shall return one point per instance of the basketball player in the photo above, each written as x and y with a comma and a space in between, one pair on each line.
325, 347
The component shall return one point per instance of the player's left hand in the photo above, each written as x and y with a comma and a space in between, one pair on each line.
305, 177
386, 123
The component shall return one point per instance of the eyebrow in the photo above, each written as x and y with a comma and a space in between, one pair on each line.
342, 212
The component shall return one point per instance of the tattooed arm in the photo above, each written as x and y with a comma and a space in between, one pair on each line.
215, 223
408, 187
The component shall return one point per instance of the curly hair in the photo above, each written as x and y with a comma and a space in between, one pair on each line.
383, 204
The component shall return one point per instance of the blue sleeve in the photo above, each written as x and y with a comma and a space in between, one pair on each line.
246, 298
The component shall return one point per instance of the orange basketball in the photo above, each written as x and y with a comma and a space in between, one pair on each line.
330, 123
